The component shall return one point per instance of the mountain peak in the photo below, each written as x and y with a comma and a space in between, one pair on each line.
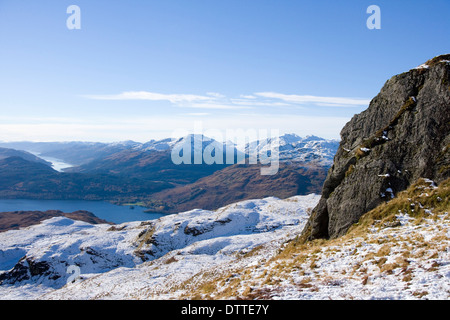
290, 137
313, 138
293, 148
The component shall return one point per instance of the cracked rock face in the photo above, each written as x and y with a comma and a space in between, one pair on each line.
402, 136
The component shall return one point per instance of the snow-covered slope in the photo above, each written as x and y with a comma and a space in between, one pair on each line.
35, 260
246, 250
399, 250
42, 253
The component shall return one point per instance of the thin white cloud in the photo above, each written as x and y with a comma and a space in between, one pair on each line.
244, 96
216, 101
151, 96
197, 114
317, 100
265, 103
218, 106
216, 95
212, 100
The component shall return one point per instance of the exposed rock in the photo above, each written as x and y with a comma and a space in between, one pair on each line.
402, 136
201, 229
20, 272
25, 269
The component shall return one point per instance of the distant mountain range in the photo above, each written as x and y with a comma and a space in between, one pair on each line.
133, 172
74, 152
291, 146
153, 160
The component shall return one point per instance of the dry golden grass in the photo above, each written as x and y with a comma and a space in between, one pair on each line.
412, 202
299, 259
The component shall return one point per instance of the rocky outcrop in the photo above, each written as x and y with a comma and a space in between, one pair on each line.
402, 136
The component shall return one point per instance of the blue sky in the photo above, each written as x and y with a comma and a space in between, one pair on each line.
140, 70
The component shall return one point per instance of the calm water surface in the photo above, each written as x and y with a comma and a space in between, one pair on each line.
103, 210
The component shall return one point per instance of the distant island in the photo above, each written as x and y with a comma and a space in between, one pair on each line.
21, 219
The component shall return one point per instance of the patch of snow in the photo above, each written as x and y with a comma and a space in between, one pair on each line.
422, 66
431, 182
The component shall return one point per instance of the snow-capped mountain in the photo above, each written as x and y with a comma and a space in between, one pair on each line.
129, 171
155, 145
292, 147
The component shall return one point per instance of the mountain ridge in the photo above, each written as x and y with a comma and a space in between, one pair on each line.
239, 182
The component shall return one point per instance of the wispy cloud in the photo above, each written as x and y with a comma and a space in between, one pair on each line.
152, 96
215, 100
219, 106
212, 100
257, 102
247, 96
216, 95
197, 114
316, 100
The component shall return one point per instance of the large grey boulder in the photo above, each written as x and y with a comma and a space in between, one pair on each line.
402, 136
